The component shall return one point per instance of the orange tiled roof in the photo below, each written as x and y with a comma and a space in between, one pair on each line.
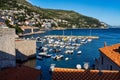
75, 74
112, 53
19, 73
2, 23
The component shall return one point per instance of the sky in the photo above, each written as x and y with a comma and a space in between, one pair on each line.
107, 11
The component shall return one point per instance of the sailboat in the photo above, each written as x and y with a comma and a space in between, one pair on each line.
63, 32
89, 39
64, 38
70, 38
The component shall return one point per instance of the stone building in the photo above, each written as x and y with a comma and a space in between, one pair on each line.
7, 47
25, 49
109, 58
2, 20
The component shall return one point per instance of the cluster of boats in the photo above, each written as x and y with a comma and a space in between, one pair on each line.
56, 47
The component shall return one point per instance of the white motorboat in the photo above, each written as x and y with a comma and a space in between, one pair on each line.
59, 57
83, 40
44, 48
44, 54
69, 47
69, 51
89, 39
79, 52
39, 57
66, 58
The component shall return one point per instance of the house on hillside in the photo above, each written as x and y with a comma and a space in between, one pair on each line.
2, 20
46, 25
2, 23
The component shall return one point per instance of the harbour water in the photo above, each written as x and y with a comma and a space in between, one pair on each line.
90, 51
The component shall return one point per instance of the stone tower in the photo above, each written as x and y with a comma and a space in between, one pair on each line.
7, 48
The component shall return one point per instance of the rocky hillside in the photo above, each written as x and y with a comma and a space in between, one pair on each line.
49, 17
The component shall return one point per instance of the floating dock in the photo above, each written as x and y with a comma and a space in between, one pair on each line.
63, 36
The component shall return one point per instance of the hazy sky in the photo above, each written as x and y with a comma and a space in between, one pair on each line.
107, 11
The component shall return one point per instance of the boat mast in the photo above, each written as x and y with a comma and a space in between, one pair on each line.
90, 32
63, 32
71, 33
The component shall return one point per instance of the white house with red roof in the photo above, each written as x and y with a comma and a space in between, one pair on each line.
109, 58
2, 23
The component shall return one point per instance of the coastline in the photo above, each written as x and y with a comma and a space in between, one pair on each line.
75, 28
38, 32
43, 31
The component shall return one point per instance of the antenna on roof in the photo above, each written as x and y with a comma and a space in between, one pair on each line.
105, 44
86, 65
78, 66
52, 66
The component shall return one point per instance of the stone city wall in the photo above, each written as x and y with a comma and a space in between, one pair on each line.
7, 47
25, 49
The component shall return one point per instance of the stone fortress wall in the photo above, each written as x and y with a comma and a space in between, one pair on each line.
25, 49
7, 47
11, 49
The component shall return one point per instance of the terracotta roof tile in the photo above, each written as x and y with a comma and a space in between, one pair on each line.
75, 74
112, 53
20, 73
1, 23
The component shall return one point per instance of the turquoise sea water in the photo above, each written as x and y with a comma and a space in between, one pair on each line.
90, 51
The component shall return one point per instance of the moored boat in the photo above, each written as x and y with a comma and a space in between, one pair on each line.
44, 54
59, 57
39, 57
69, 51
79, 52
66, 58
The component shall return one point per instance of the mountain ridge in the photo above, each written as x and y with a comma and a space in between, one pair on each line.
63, 18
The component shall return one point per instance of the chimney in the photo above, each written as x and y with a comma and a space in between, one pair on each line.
105, 44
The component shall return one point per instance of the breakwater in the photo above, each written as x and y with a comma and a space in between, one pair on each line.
62, 36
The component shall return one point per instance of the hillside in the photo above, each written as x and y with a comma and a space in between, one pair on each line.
57, 18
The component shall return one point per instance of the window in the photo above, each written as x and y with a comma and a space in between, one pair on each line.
110, 67
102, 60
